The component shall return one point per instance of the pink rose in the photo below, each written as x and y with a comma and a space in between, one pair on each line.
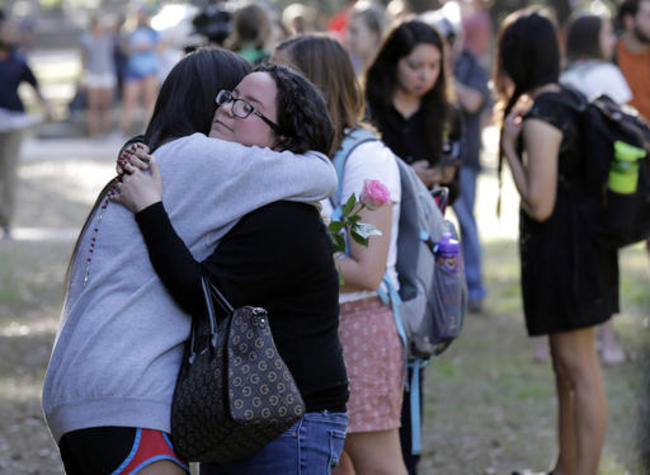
374, 194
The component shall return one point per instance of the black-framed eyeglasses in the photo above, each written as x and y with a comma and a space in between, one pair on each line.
242, 108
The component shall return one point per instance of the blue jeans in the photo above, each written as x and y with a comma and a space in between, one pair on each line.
464, 209
312, 446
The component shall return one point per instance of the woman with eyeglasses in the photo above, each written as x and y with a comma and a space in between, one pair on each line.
133, 283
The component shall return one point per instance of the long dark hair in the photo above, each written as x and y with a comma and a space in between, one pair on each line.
302, 112
583, 38
529, 55
381, 79
185, 105
326, 63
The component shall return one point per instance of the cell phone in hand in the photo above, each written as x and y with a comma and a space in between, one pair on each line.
450, 155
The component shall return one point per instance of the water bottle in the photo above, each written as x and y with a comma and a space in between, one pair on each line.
624, 169
448, 253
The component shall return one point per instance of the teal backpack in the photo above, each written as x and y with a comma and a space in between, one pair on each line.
431, 303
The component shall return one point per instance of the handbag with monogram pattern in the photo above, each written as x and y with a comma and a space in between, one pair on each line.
234, 393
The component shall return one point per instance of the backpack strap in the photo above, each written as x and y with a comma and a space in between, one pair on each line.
412, 385
352, 141
416, 416
390, 294
571, 98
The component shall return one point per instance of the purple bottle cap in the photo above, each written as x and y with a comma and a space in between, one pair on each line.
447, 246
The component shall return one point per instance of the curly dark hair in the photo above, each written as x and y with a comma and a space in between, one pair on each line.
302, 112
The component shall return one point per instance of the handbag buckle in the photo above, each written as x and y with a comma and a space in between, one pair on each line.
258, 317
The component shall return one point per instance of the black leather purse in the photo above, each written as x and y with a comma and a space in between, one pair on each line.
234, 393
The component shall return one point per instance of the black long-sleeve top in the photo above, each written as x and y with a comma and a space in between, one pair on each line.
278, 257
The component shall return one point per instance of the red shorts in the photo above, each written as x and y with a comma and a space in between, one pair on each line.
115, 450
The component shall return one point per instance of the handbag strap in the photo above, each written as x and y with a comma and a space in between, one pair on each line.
216, 293
210, 294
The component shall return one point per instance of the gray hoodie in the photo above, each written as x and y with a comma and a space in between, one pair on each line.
120, 340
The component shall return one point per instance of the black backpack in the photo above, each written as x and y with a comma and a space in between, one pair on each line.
615, 145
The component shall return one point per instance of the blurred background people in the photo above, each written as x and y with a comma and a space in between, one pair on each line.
633, 51
589, 50
119, 53
407, 97
337, 25
366, 25
477, 28
141, 80
213, 22
99, 77
299, 18
398, 10
14, 70
251, 33
170, 52
472, 95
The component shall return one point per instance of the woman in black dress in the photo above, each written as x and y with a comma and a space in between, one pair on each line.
569, 283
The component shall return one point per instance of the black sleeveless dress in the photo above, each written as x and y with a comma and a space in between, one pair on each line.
568, 280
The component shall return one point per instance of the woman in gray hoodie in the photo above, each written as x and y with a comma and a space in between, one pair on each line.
117, 353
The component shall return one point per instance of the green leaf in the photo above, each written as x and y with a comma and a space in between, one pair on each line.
359, 238
339, 243
349, 206
336, 226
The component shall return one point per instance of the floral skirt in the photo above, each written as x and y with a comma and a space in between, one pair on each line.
374, 357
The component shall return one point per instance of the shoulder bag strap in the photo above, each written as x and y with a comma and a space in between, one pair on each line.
210, 294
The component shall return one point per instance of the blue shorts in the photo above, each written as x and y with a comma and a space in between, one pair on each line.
115, 450
312, 446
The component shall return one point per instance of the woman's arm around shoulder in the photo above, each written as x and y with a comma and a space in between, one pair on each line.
303, 177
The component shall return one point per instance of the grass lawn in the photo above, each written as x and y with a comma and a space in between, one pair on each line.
491, 409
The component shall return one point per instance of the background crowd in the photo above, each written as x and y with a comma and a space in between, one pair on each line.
434, 123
